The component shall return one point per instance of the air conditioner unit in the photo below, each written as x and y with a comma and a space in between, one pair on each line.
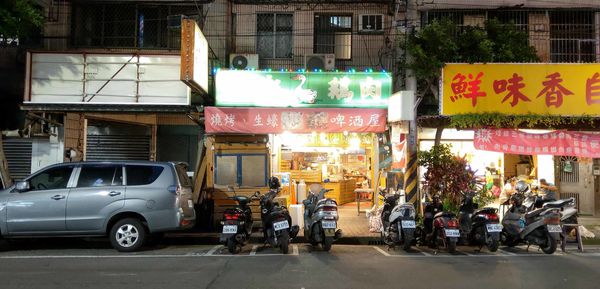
243, 61
319, 61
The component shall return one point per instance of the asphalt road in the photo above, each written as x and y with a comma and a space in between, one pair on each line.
209, 266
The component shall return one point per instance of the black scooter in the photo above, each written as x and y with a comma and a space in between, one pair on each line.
237, 223
481, 227
276, 219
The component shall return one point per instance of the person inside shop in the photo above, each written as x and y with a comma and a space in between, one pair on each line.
550, 191
508, 190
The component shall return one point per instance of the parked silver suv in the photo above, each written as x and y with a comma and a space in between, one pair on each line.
127, 201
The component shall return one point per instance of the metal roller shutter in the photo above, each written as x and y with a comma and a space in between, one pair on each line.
117, 142
18, 156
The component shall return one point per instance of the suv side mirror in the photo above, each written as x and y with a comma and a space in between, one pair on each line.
22, 186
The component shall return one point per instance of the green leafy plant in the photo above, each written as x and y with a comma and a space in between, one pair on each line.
19, 18
446, 174
442, 41
477, 120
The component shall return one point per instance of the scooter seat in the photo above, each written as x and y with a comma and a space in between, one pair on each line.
559, 203
533, 214
242, 200
445, 214
486, 211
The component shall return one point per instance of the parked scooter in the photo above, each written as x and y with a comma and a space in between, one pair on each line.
539, 227
441, 228
320, 218
237, 223
276, 219
567, 207
398, 220
481, 227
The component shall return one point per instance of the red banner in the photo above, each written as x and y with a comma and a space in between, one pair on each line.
562, 143
295, 120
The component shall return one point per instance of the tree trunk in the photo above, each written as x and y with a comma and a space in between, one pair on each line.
438, 136
4, 176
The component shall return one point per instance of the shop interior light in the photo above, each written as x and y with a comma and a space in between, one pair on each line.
345, 132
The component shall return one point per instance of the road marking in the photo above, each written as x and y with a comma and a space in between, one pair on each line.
587, 254
295, 250
422, 252
381, 251
253, 252
213, 250
507, 253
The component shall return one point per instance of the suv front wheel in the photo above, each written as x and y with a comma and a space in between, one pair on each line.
127, 235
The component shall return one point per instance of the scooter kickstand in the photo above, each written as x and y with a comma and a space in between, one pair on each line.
528, 247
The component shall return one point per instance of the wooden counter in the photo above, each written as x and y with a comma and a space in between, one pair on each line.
343, 191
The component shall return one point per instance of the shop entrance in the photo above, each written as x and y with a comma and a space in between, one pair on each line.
576, 180
342, 162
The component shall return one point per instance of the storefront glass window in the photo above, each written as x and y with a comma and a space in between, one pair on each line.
226, 170
244, 170
253, 171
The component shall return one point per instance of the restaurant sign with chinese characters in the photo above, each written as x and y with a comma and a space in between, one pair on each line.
561, 143
302, 89
518, 89
304, 120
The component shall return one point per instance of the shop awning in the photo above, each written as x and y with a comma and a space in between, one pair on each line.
294, 120
562, 143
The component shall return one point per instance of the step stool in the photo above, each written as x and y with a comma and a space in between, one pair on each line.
579, 242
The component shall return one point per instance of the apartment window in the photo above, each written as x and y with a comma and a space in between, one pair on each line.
370, 23
243, 170
333, 34
128, 25
572, 36
274, 35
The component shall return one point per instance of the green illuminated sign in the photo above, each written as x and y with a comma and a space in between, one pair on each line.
302, 89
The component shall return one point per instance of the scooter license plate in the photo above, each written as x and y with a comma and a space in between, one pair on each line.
328, 224
229, 229
452, 233
278, 226
408, 224
492, 228
554, 228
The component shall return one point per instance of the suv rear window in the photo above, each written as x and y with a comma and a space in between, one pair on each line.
142, 175
184, 180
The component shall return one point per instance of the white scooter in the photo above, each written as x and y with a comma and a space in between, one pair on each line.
398, 220
320, 218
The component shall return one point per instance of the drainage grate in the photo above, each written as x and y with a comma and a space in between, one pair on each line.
376, 242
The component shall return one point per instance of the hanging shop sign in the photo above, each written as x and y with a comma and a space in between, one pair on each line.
517, 89
279, 120
194, 56
302, 89
561, 143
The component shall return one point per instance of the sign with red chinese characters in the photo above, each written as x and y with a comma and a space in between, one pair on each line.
562, 143
298, 120
517, 89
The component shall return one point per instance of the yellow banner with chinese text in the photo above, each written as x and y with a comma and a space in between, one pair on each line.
517, 89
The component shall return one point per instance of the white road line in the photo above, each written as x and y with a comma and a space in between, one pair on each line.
508, 253
253, 252
381, 251
295, 250
422, 252
587, 254
213, 250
